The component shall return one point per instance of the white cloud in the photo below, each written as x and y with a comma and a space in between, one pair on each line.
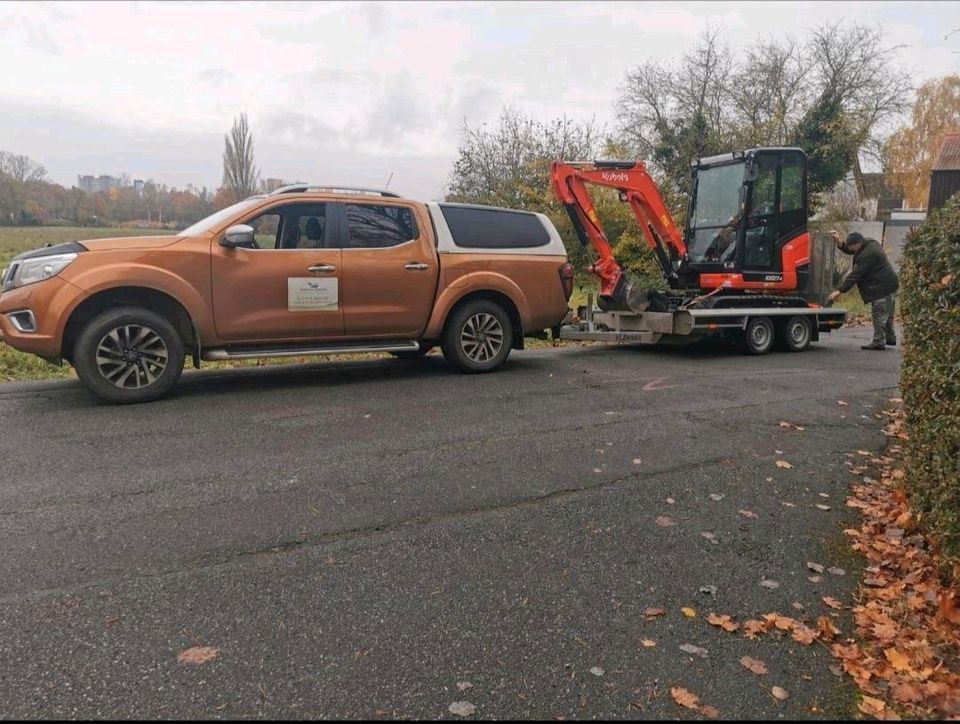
149, 83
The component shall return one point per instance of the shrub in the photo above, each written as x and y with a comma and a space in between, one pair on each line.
930, 378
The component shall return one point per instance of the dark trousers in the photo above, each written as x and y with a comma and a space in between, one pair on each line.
882, 312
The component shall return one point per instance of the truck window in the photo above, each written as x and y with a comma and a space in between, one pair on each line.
375, 227
291, 226
479, 228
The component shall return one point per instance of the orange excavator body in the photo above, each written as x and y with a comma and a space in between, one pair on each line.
745, 232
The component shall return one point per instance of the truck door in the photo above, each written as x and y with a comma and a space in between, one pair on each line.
286, 288
390, 269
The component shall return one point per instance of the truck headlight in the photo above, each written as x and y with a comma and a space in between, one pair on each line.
31, 271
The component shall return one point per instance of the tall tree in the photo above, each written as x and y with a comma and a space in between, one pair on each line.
240, 175
510, 165
911, 151
21, 169
839, 87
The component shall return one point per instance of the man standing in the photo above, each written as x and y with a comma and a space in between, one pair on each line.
876, 281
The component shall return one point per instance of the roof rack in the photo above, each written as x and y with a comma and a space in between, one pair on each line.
301, 188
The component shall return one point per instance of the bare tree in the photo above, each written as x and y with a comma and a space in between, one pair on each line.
240, 175
842, 78
22, 169
509, 166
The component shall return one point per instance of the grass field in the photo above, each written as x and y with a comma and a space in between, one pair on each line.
17, 239
16, 366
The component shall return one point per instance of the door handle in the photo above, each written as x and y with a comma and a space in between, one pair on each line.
416, 266
321, 268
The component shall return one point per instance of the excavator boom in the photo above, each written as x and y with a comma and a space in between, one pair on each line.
637, 188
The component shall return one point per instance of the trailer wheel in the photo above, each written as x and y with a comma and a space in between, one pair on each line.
797, 333
759, 335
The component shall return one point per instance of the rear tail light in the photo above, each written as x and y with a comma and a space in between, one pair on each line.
566, 280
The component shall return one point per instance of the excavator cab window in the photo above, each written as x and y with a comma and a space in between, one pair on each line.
715, 214
776, 207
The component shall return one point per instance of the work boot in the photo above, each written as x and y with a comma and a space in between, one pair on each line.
873, 346
891, 343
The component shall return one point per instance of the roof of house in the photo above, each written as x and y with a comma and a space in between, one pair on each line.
948, 158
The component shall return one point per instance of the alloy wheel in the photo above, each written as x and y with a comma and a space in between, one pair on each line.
481, 337
131, 356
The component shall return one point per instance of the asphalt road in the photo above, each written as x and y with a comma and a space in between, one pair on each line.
357, 539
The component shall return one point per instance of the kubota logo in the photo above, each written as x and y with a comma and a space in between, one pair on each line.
612, 176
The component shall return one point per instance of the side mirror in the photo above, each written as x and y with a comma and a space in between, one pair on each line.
239, 235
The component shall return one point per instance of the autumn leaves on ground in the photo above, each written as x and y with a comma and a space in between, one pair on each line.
904, 651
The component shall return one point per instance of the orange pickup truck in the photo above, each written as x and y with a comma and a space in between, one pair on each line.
304, 270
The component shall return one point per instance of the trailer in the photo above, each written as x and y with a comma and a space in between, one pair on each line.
757, 323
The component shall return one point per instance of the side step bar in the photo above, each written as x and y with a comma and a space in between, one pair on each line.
229, 353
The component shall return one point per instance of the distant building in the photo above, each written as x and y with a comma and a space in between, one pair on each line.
271, 184
96, 184
138, 186
945, 172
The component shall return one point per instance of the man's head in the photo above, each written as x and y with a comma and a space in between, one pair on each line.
855, 241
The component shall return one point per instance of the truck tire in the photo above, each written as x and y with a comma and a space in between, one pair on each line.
759, 336
796, 333
419, 354
129, 354
477, 337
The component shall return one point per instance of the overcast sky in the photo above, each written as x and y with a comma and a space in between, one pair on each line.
352, 92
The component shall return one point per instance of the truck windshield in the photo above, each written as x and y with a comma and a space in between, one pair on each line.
220, 216
713, 219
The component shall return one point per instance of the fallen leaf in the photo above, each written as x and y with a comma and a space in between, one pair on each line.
717, 496
747, 513
637, 461
461, 708
752, 628
898, 660
648, 643
711, 537
784, 464
871, 706
709, 590
814, 579
724, 621
767, 583
684, 698
597, 671
464, 685
664, 521
785, 424
689, 612
827, 629
654, 612
755, 665
804, 635
821, 506
695, 650
836, 571
198, 655
946, 279
832, 602
815, 567
780, 694
842, 403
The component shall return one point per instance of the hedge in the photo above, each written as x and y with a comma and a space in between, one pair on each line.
930, 378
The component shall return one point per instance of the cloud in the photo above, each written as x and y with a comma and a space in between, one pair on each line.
216, 76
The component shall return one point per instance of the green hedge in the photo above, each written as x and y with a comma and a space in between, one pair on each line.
930, 378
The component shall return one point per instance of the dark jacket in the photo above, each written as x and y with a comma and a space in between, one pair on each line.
871, 272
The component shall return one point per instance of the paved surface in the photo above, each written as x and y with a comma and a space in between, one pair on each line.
358, 538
